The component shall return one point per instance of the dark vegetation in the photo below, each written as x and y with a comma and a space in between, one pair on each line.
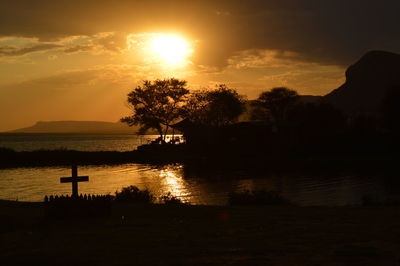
277, 103
10, 158
172, 200
213, 108
277, 124
134, 194
203, 160
156, 105
96, 206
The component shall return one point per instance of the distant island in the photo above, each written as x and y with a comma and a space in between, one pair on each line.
76, 127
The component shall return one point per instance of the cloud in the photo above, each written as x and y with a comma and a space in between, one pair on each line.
327, 32
19, 51
101, 43
79, 48
253, 71
258, 58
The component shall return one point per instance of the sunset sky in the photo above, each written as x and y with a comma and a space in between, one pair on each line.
77, 60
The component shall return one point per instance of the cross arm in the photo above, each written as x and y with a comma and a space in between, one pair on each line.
74, 179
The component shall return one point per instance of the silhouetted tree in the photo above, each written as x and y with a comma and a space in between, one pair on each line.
156, 105
390, 110
218, 107
196, 107
278, 101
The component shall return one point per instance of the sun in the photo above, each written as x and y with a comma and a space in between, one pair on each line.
171, 49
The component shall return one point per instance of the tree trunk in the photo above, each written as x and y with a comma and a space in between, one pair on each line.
165, 134
161, 133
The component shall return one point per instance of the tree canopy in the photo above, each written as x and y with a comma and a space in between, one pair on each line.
157, 104
278, 101
218, 107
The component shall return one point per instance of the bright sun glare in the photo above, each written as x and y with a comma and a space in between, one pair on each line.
171, 49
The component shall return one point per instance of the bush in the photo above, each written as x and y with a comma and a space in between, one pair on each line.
257, 198
134, 194
172, 200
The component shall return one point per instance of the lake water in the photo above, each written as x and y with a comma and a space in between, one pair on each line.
74, 142
198, 187
211, 188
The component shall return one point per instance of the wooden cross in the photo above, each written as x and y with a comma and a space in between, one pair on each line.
74, 179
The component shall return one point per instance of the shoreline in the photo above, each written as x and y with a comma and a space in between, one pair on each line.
212, 159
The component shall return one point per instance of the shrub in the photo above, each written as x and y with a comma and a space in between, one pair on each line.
134, 194
257, 198
170, 199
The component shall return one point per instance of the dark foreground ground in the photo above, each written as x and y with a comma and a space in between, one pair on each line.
199, 235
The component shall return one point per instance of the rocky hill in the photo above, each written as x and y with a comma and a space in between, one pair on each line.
366, 83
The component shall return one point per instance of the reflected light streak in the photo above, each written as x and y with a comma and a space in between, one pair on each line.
175, 184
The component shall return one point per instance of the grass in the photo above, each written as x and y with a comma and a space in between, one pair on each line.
162, 234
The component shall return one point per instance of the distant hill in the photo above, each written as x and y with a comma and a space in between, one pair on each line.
78, 127
366, 83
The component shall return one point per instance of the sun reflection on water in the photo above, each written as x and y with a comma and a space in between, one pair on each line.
171, 178
200, 188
